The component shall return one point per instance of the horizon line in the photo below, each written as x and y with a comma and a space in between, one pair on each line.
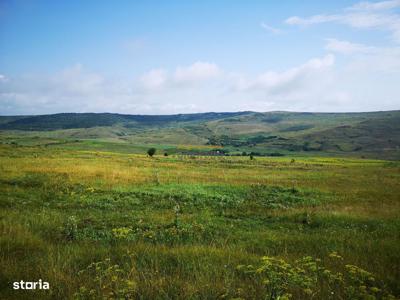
209, 112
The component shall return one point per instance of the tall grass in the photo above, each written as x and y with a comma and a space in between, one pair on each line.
62, 210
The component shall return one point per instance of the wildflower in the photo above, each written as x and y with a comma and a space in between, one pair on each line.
375, 289
308, 291
335, 255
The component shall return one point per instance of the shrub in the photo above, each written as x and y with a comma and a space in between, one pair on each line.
151, 152
276, 154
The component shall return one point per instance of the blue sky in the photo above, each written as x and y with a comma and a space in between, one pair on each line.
162, 57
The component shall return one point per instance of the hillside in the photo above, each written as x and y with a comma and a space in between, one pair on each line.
374, 134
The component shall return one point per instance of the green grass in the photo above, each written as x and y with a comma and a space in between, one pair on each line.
179, 226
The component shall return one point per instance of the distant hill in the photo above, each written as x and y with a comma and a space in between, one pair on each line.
88, 120
374, 134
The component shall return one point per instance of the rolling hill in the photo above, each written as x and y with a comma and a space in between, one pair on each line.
372, 134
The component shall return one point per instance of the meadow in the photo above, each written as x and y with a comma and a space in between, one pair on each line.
114, 224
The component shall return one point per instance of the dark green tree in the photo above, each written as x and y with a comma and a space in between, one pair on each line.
151, 152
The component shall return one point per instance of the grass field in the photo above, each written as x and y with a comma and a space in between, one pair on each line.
178, 227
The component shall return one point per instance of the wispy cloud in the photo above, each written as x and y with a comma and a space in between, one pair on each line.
346, 47
182, 76
364, 15
198, 71
271, 29
154, 79
383, 5
316, 19
365, 58
286, 81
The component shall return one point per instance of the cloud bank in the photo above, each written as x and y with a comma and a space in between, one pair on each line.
315, 85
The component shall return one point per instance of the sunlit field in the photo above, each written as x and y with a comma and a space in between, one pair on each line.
199, 150
196, 227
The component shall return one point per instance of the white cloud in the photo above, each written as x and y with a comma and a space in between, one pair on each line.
3, 78
364, 15
154, 79
283, 82
318, 84
345, 47
383, 5
366, 58
73, 89
76, 80
271, 29
380, 61
199, 71
182, 77
317, 19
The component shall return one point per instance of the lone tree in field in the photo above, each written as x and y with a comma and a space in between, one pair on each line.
151, 152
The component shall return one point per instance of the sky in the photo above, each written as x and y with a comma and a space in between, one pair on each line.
169, 57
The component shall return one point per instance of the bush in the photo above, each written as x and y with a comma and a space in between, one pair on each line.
151, 152
276, 154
